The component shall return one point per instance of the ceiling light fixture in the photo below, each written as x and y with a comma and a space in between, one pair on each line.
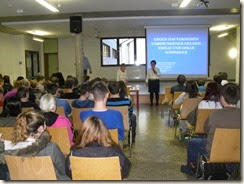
47, 5
184, 3
223, 35
38, 39
221, 27
38, 32
232, 53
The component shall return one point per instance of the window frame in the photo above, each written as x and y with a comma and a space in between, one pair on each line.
118, 52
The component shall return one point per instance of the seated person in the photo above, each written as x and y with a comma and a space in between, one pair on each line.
200, 84
23, 95
31, 139
13, 92
181, 79
115, 100
69, 94
112, 119
224, 77
7, 85
228, 117
1, 96
217, 78
95, 141
83, 101
53, 90
11, 109
48, 106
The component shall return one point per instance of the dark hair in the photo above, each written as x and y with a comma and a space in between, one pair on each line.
22, 92
52, 88
39, 78
191, 89
224, 75
153, 61
212, 92
84, 88
217, 78
181, 79
201, 82
11, 107
113, 87
69, 83
231, 93
6, 79
95, 81
86, 78
20, 78
123, 89
75, 81
55, 80
99, 91
69, 77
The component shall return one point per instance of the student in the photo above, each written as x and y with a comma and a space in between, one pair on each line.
112, 119
7, 85
95, 141
48, 106
152, 81
13, 92
83, 101
181, 79
31, 139
224, 77
86, 65
69, 85
200, 84
122, 74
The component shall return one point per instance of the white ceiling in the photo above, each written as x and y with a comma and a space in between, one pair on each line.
100, 25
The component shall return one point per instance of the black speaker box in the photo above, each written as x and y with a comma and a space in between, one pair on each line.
75, 24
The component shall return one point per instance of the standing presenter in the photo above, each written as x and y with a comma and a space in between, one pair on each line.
152, 81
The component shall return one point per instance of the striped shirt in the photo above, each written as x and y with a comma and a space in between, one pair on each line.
121, 102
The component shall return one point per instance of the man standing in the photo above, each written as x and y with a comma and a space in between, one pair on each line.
87, 65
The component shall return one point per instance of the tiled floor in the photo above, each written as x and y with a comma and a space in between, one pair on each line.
157, 154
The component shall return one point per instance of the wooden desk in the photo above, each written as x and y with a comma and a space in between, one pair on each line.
136, 90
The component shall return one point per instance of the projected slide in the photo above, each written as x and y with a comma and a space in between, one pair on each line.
178, 50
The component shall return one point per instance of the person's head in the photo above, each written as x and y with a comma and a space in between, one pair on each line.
122, 67
69, 83
201, 82
217, 78
95, 81
16, 84
23, 93
28, 124
153, 64
181, 79
230, 94
191, 89
24, 82
224, 75
94, 130
1, 81
114, 87
48, 103
20, 78
86, 78
33, 84
69, 77
55, 80
40, 78
84, 90
123, 89
52, 88
212, 92
6, 79
11, 107
100, 92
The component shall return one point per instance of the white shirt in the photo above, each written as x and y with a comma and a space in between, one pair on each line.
8, 145
122, 76
209, 105
152, 75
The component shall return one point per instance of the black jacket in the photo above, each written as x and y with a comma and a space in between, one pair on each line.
96, 150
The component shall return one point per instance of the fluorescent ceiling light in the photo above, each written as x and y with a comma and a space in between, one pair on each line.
222, 35
47, 5
38, 39
221, 27
38, 32
184, 3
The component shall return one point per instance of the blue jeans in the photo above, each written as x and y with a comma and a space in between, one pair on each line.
195, 146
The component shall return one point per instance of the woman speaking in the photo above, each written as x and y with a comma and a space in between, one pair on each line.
152, 81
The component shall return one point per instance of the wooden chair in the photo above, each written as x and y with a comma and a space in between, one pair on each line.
202, 115
60, 110
61, 138
25, 109
168, 96
114, 135
30, 168
6, 132
174, 107
84, 168
75, 113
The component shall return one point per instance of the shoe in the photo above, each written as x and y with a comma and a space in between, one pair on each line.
187, 170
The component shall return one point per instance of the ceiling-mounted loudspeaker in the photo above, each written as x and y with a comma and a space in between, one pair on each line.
75, 24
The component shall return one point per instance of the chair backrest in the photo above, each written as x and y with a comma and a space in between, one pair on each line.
25, 109
77, 123
84, 168
175, 96
30, 168
202, 116
226, 146
188, 105
124, 112
168, 96
61, 138
6, 132
114, 135
60, 111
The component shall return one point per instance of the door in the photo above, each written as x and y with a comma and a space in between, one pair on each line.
32, 64
51, 64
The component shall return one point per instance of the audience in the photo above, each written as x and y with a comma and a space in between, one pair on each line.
48, 106
224, 77
200, 84
69, 94
181, 79
7, 85
112, 119
13, 92
217, 78
23, 95
83, 101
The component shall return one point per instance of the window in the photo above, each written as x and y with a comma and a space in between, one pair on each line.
130, 51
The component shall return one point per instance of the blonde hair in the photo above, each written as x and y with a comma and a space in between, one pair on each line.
93, 129
47, 103
27, 123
